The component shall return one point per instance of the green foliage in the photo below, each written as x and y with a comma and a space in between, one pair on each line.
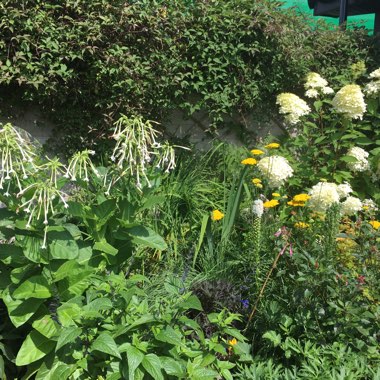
88, 61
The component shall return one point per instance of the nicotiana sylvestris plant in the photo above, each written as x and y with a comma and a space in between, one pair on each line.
37, 186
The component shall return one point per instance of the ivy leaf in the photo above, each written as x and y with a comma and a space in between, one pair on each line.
34, 347
105, 343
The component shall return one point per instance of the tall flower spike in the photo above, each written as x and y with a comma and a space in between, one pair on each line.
17, 157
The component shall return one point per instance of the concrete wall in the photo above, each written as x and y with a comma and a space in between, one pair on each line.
194, 129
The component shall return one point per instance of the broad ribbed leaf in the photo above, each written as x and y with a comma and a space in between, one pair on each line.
134, 357
20, 311
62, 245
34, 287
68, 335
35, 347
152, 365
105, 343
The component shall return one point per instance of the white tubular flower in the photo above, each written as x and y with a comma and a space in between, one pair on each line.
351, 205
361, 164
292, 107
136, 149
344, 189
322, 196
258, 208
16, 157
54, 168
80, 165
349, 101
41, 203
275, 169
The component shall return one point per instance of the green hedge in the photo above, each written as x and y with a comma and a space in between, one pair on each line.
87, 61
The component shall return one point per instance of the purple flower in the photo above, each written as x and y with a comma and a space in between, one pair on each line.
245, 304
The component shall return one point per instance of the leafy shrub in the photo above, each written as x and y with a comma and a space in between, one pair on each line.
89, 61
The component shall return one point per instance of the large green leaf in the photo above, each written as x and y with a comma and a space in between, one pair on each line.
20, 311
34, 287
146, 237
46, 326
34, 347
173, 367
152, 365
169, 335
105, 343
11, 254
134, 357
105, 247
68, 335
62, 245
68, 313
104, 211
32, 248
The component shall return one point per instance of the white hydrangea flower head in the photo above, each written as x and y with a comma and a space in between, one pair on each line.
314, 80
275, 169
351, 205
369, 204
344, 189
258, 208
361, 164
322, 196
312, 93
327, 90
375, 74
349, 101
292, 106
372, 88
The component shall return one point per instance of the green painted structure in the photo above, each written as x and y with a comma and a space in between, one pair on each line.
363, 20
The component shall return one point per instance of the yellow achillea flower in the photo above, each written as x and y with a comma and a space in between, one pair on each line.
259, 185
272, 146
232, 342
257, 152
276, 195
301, 225
301, 197
375, 224
216, 215
296, 204
271, 203
249, 161
255, 181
